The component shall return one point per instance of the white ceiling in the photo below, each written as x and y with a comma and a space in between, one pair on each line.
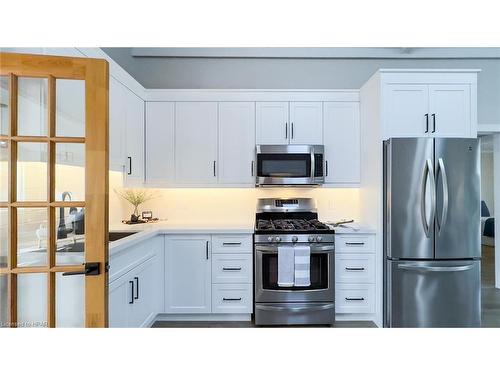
320, 52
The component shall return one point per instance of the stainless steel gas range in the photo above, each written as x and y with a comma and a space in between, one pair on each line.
288, 223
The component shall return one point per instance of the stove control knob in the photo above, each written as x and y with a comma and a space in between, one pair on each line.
269, 239
311, 239
319, 239
295, 239
277, 239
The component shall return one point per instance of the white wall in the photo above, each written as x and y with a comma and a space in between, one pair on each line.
487, 189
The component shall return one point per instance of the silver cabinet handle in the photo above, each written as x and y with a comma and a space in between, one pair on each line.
231, 299
410, 267
231, 244
286, 130
355, 243
428, 173
231, 268
214, 169
354, 299
129, 165
355, 268
444, 214
292, 130
252, 167
207, 249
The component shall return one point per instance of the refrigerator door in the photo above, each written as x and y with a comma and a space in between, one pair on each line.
433, 294
409, 196
458, 202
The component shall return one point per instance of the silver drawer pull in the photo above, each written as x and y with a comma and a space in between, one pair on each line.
355, 243
354, 299
231, 244
355, 268
231, 299
231, 268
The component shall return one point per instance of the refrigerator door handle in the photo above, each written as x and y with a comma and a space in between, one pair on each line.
444, 214
411, 267
428, 174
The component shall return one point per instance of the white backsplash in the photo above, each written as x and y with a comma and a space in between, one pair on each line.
235, 204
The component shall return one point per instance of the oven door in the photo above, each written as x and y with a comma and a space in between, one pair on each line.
322, 265
289, 165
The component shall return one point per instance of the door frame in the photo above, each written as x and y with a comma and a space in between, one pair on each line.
95, 73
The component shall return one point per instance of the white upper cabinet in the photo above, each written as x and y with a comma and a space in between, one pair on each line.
449, 110
160, 125
428, 103
306, 123
406, 109
134, 164
117, 124
196, 143
342, 142
236, 143
188, 275
272, 123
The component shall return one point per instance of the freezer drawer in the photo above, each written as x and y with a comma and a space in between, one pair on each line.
433, 294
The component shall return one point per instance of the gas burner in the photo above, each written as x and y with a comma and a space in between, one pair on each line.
289, 225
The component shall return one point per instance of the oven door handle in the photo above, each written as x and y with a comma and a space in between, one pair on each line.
326, 306
314, 249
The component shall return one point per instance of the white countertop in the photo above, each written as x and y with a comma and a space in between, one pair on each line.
146, 231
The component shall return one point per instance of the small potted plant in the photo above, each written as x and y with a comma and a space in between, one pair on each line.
136, 197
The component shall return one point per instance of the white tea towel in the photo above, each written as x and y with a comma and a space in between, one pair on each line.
286, 266
302, 265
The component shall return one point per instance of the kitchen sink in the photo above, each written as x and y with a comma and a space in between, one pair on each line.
115, 236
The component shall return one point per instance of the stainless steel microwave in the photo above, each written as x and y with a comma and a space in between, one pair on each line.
289, 165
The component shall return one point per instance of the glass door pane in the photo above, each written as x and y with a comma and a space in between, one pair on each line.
70, 172
4, 170
31, 171
31, 237
70, 235
32, 106
70, 300
32, 300
70, 108
4, 105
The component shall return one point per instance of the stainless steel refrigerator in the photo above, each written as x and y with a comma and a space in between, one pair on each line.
432, 224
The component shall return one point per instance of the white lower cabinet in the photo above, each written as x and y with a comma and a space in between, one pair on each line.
355, 273
135, 297
188, 283
232, 298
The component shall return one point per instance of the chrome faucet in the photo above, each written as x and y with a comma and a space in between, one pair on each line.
62, 231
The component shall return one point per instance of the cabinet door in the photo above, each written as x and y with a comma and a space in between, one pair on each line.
342, 142
306, 123
160, 143
272, 126
146, 286
405, 109
120, 300
188, 274
117, 124
196, 142
236, 142
134, 167
450, 110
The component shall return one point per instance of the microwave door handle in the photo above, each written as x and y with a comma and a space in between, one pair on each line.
313, 172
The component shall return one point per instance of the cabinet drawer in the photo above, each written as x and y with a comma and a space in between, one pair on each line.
232, 298
231, 268
354, 268
354, 298
355, 243
223, 244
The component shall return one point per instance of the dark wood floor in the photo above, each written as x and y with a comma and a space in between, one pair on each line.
489, 294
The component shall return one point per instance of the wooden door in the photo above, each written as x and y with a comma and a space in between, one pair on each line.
450, 110
188, 284
272, 125
53, 190
406, 109
196, 143
342, 142
237, 143
306, 123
